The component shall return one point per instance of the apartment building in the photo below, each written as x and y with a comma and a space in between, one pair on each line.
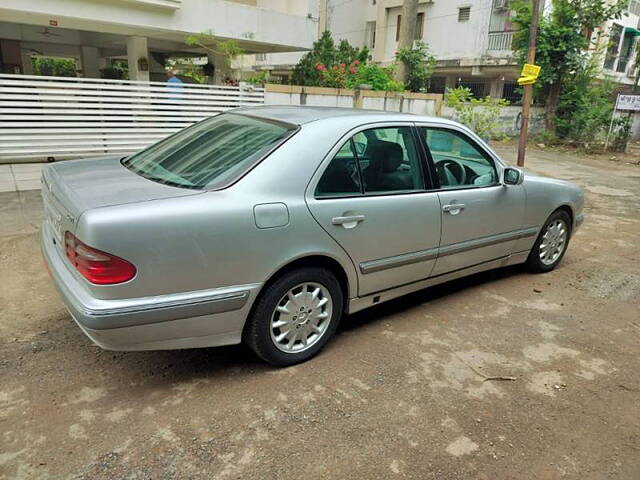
471, 40
147, 32
619, 38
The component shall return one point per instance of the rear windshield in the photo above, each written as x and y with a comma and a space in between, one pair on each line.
211, 153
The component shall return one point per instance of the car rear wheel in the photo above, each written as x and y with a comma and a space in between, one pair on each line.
295, 316
551, 243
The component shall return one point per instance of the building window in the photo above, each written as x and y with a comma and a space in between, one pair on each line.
419, 26
614, 43
626, 52
464, 13
260, 57
634, 7
370, 35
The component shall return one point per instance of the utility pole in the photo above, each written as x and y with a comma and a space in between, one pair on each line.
407, 34
528, 89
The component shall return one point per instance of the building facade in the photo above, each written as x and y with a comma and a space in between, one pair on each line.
470, 39
617, 42
147, 32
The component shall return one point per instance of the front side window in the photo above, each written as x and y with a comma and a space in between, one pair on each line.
378, 160
210, 153
458, 161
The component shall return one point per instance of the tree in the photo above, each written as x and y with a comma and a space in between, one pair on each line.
229, 49
325, 53
563, 38
419, 64
407, 35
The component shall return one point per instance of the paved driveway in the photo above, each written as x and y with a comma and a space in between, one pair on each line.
400, 392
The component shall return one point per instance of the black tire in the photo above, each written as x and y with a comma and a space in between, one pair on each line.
534, 262
257, 332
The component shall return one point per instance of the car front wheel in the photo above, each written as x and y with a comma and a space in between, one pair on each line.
551, 243
295, 316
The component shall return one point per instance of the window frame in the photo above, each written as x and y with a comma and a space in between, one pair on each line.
473, 140
427, 177
419, 33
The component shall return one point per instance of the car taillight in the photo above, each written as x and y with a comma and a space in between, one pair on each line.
97, 266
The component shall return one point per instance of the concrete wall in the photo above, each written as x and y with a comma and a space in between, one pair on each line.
510, 120
418, 103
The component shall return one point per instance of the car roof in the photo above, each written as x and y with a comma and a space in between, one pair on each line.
299, 115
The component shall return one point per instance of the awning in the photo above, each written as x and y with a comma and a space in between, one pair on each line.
631, 32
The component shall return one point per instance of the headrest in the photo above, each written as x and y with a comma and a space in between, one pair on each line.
387, 156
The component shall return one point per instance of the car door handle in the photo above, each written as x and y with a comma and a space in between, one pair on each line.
453, 208
348, 221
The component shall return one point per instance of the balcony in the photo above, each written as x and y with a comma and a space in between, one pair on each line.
500, 41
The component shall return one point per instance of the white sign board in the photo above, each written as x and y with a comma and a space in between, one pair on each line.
628, 102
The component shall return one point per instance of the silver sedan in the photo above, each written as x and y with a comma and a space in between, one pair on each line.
269, 224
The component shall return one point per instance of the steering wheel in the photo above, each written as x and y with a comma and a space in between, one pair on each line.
450, 172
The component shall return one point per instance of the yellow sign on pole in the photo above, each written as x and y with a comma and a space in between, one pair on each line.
529, 74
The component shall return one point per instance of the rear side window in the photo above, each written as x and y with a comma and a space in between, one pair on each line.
211, 153
374, 161
341, 177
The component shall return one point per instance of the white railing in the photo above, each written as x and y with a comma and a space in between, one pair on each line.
44, 118
500, 41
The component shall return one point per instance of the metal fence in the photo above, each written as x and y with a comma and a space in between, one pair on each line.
44, 118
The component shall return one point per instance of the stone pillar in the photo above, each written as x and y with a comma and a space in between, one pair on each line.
14, 59
451, 81
137, 49
90, 57
221, 68
497, 86
27, 65
382, 18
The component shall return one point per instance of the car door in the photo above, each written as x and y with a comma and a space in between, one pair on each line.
482, 218
370, 195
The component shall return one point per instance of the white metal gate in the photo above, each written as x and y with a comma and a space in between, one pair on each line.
59, 117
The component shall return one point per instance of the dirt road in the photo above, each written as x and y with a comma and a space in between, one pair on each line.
400, 392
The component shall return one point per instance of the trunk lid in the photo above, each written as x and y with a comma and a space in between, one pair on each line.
100, 182
74, 186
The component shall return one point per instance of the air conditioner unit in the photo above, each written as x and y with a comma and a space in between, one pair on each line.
500, 4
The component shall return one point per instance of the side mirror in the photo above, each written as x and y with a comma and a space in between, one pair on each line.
512, 176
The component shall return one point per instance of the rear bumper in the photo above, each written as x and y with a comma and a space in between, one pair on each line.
184, 320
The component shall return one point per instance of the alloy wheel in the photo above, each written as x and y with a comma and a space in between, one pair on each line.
301, 317
554, 241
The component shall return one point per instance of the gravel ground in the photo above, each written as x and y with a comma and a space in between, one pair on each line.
400, 392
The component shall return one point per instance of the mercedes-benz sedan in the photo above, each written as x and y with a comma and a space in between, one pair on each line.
269, 224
